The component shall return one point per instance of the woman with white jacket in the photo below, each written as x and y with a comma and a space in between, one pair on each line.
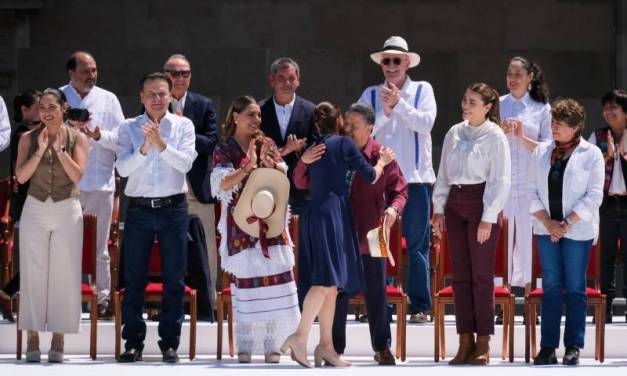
566, 190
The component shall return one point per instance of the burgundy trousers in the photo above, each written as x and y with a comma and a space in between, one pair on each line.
473, 263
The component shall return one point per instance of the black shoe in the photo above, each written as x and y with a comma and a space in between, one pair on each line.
105, 311
5, 308
384, 358
571, 356
545, 356
498, 320
170, 355
363, 319
131, 355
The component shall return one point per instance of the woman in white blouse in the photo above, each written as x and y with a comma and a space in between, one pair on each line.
526, 119
470, 191
566, 189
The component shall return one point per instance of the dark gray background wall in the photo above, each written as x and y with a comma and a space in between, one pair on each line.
581, 45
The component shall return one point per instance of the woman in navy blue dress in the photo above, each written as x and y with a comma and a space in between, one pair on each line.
329, 258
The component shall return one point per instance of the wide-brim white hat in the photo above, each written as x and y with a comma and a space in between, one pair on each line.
265, 197
396, 45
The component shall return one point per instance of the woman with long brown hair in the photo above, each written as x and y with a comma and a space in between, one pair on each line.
52, 157
265, 303
470, 191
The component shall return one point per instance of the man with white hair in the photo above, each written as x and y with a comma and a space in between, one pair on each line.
405, 113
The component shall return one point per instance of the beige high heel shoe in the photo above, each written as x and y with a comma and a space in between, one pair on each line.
299, 350
33, 355
55, 355
331, 358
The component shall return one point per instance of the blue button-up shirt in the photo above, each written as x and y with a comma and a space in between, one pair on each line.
156, 174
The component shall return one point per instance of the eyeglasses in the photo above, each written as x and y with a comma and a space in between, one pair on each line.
178, 74
387, 61
154, 96
516, 76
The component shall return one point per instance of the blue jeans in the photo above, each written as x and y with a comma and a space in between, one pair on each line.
564, 267
169, 225
416, 229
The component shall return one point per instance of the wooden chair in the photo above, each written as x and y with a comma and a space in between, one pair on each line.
595, 299
223, 298
88, 290
502, 295
394, 293
113, 243
6, 232
6, 237
153, 293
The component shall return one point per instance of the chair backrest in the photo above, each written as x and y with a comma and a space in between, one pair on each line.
396, 247
5, 188
154, 260
294, 228
593, 270
114, 230
90, 229
501, 269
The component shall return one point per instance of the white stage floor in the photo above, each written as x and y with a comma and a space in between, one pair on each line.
364, 366
419, 352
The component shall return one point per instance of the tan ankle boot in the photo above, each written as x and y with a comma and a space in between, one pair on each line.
465, 351
481, 356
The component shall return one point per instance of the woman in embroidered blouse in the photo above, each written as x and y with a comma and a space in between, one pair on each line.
566, 180
472, 186
526, 119
264, 313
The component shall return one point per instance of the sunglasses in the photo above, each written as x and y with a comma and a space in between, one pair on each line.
178, 74
387, 61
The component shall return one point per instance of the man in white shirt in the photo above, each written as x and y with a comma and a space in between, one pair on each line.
5, 126
98, 183
405, 114
155, 151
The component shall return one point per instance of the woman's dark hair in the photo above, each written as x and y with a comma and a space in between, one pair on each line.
57, 94
26, 98
238, 105
326, 118
539, 90
570, 112
155, 76
617, 96
488, 95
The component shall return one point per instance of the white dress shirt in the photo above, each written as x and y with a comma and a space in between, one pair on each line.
536, 121
407, 130
106, 114
473, 155
283, 115
5, 126
617, 184
156, 174
582, 192
178, 105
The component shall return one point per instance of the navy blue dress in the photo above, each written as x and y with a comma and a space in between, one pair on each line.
328, 252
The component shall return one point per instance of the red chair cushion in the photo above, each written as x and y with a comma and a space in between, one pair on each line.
590, 293
86, 289
498, 292
226, 291
154, 288
404, 245
393, 291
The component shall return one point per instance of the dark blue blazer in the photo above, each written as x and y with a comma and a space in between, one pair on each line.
200, 111
301, 125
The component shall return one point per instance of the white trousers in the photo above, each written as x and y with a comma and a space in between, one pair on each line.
100, 203
207, 217
51, 247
